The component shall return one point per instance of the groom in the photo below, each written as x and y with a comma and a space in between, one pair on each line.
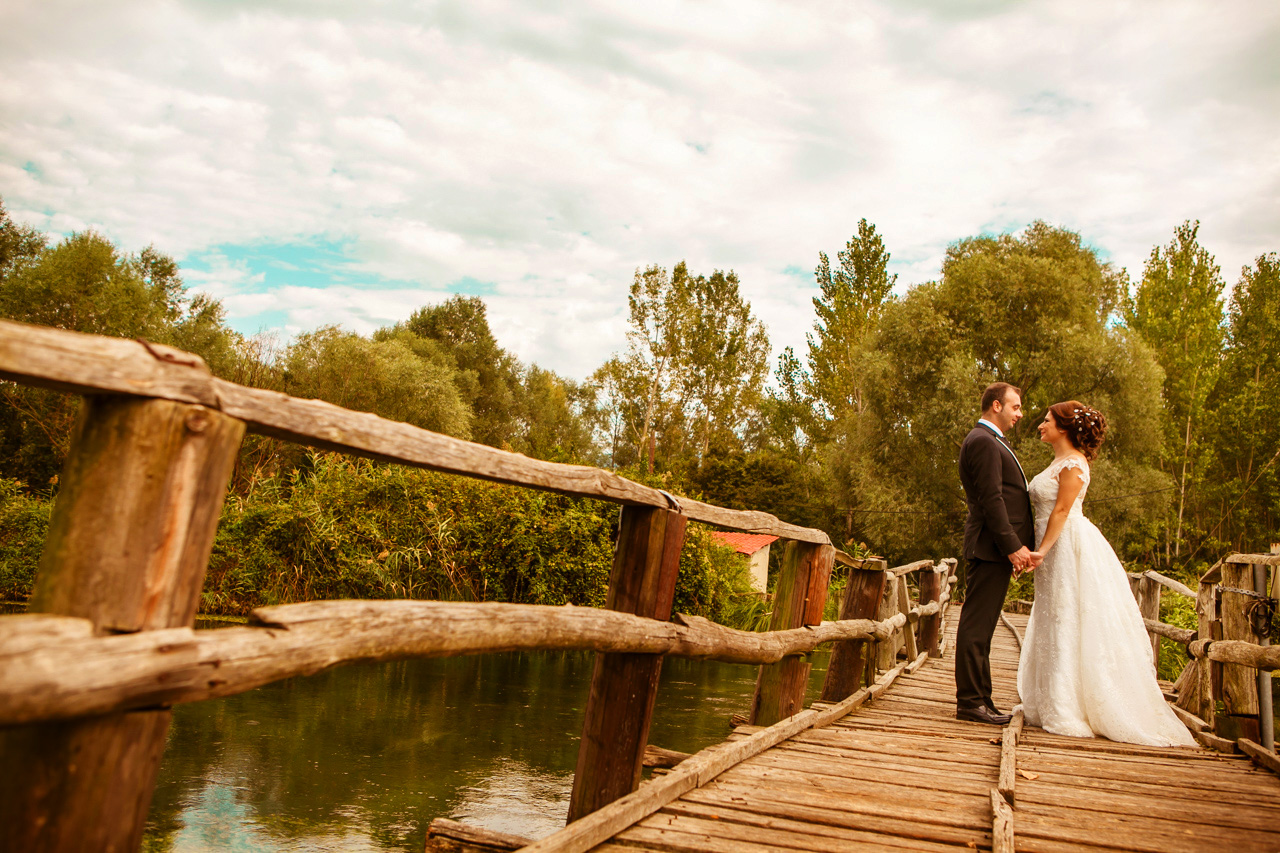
998, 536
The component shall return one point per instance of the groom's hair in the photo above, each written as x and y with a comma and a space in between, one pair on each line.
996, 392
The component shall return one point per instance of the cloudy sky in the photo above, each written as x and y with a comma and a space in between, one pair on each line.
314, 161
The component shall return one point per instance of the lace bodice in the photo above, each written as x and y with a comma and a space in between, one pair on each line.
1044, 488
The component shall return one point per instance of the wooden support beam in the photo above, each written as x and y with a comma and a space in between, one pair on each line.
862, 594
798, 600
1260, 755
619, 707
1239, 718
450, 836
1002, 840
887, 648
908, 630
931, 584
93, 364
127, 548
1146, 590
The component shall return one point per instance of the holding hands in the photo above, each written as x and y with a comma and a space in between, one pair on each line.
1025, 560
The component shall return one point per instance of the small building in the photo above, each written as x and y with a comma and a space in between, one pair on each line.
755, 547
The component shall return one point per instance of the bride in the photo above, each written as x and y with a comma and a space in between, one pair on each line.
1086, 664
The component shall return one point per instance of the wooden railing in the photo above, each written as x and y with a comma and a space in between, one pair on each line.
88, 675
1224, 692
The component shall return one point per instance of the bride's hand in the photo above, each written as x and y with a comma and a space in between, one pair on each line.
1036, 559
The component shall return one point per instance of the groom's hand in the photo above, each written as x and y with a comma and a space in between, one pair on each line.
1021, 558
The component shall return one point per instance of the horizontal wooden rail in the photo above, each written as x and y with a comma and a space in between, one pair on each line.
1240, 652
1173, 632
92, 364
51, 667
899, 571
1166, 582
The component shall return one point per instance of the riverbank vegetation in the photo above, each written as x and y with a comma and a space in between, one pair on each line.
857, 435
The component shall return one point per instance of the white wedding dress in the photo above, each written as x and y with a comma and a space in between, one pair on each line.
1086, 663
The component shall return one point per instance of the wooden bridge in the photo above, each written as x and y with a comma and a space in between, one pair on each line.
88, 674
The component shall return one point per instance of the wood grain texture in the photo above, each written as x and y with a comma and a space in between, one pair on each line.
1239, 683
1180, 635
451, 836
1002, 840
49, 673
92, 365
623, 689
1147, 593
931, 584
319, 424
862, 593
126, 550
798, 601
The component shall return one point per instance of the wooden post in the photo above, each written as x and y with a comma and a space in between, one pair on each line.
615, 727
862, 594
1239, 683
800, 596
1210, 671
127, 548
1147, 593
930, 626
887, 649
908, 630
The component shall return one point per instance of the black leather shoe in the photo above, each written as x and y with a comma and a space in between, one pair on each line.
982, 714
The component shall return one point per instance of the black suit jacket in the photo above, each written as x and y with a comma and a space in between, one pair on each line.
999, 521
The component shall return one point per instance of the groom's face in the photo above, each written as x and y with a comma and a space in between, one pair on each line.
1008, 411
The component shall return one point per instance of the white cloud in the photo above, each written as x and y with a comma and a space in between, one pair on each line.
550, 154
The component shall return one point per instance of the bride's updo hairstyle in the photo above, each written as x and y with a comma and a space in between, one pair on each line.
1084, 425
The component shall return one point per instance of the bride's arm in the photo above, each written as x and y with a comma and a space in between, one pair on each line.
1069, 485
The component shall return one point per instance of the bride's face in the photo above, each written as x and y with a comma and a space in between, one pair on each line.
1049, 431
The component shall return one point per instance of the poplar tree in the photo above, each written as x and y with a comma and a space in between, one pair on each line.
1178, 312
853, 296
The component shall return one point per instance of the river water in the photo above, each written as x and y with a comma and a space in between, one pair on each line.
364, 757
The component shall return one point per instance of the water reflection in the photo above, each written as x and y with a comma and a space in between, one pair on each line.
364, 757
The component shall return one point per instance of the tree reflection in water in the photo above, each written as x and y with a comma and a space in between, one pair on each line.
364, 757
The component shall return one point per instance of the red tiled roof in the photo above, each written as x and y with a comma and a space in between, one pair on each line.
744, 543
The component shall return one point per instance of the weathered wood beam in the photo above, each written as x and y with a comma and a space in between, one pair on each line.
1259, 754
451, 836
126, 551
1002, 840
656, 756
698, 770
624, 686
58, 673
1173, 632
93, 364
931, 586
1253, 559
862, 593
1147, 593
1239, 717
1170, 583
799, 599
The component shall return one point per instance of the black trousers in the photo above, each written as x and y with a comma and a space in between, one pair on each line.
986, 584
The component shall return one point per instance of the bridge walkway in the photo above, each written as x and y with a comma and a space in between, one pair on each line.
901, 773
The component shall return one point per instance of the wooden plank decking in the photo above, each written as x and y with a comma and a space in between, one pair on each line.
903, 774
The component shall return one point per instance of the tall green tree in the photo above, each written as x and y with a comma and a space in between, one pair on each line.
1244, 426
85, 284
694, 368
488, 376
1178, 312
1037, 309
723, 362
382, 376
853, 295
